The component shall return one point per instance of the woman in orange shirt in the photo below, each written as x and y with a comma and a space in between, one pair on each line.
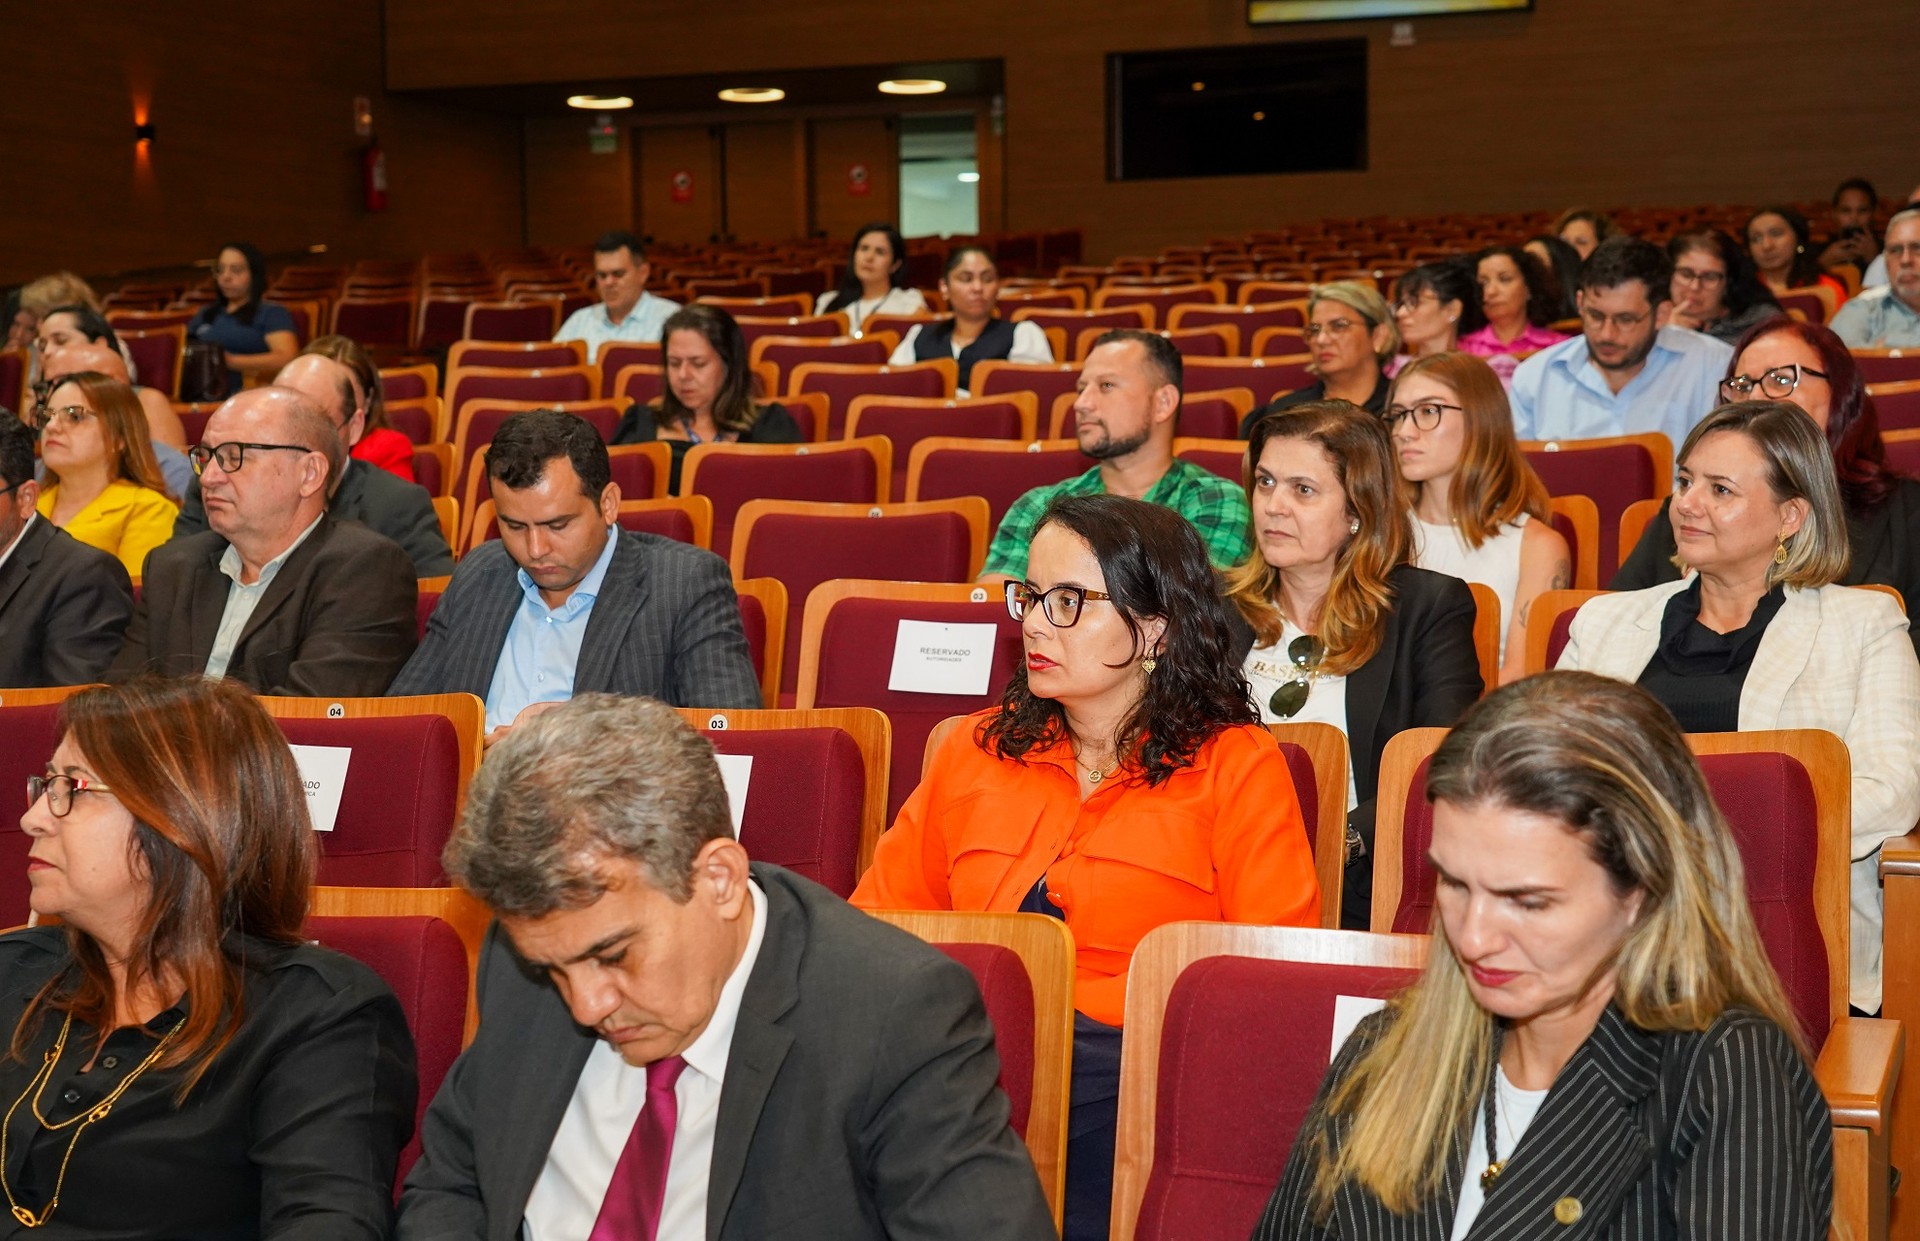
1123, 782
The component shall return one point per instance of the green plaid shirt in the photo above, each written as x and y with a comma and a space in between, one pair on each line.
1216, 507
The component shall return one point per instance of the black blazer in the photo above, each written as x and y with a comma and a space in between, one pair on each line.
63, 608
666, 625
1722, 1130
859, 1104
382, 502
339, 618
1424, 675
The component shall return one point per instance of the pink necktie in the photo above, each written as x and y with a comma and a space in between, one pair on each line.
631, 1209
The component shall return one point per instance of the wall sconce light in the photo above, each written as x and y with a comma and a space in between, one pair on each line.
143, 133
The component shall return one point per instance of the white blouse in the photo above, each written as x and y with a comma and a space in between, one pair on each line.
1267, 668
893, 302
1494, 564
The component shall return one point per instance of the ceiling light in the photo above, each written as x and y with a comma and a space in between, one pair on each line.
912, 86
1199, 86
753, 94
969, 177
599, 103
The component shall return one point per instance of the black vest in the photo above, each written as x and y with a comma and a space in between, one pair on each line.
936, 341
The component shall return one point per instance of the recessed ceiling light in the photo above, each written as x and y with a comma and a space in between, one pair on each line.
599, 103
912, 86
969, 177
753, 94
1199, 86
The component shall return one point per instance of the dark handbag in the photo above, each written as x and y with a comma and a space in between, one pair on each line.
203, 372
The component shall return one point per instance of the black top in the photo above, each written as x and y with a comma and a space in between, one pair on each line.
1376, 402
1884, 547
293, 1133
935, 340
772, 425
1696, 673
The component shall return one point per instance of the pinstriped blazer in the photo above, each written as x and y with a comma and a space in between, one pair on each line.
1834, 658
666, 625
1720, 1135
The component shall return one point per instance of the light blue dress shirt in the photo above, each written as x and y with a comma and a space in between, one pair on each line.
542, 650
1559, 394
642, 324
1876, 319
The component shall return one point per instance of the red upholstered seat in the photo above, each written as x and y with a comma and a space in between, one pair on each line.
668, 523
397, 810
1880, 366
1561, 634
13, 378
375, 321
730, 476
1007, 990
787, 352
1266, 378
27, 738
545, 386
1612, 473
1213, 418
755, 327
1046, 380
1243, 1049
905, 421
442, 320
424, 604
1305, 787
941, 469
412, 419
1903, 456
516, 356
805, 798
425, 964
427, 472
841, 383
1898, 408
156, 357
1214, 456
1249, 319
616, 355
512, 320
403, 384
753, 622
1415, 913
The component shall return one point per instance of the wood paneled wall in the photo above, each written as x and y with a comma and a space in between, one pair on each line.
253, 111
1627, 101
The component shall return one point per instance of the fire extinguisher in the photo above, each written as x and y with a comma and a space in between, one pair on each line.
373, 176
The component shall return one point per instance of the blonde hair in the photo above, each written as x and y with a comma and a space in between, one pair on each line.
1606, 760
1799, 467
1354, 618
62, 288
124, 423
1493, 484
1364, 300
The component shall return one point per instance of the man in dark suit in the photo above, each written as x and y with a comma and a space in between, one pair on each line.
63, 605
382, 502
676, 1043
566, 602
277, 594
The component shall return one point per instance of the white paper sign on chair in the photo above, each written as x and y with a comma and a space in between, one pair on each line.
323, 771
934, 658
1348, 1012
736, 772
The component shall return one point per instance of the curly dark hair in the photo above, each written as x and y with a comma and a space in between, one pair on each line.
1156, 567
1542, 297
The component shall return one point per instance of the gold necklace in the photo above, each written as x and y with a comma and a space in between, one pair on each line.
1094, 774
99, 1111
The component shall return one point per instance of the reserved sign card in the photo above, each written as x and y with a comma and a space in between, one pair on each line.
736, 772
932, 658
323, 770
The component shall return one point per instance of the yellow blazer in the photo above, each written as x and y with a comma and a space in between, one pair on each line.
126, 520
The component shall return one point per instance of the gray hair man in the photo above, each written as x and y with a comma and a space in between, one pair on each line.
690, 1042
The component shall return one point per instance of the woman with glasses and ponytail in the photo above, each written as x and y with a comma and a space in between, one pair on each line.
1759, 635
1122, 783
1599, 1046
1807, 365
1335, 624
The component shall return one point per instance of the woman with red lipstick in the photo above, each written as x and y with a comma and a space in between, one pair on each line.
710, 392
1352, 336
1759, 635
184, 1063
1598, 1031
1122, 783
1479, 511
975, 332
1334, 624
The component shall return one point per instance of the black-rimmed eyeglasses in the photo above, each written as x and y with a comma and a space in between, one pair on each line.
1062, 605
59, 791
1425, 415
233, 454
1776, 384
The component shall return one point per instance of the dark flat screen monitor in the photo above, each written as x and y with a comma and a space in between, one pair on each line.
1271, 12
1255, 108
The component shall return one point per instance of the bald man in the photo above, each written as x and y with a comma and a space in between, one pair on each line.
382, 502
70, 359
275, 593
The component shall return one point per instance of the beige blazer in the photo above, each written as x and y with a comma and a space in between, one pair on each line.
1835, 658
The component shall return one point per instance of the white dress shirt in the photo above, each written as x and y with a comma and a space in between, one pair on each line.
243, 598
595, 326
605, 1106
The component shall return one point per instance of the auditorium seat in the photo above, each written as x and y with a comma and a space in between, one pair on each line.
1897, 406
374, 321
769, 306
817, 789
1046, 380
842, 383
1578, 521
1161, 298
905, 421
847, 642
1040, 297
480, 420
433, 468
1247, 321
29, 731
157, 355
1316, 757
1613, 472
615, 355
1278, 342
1881, 366
1075, 324
443, 319
513, 321
785, 353
408, 383
1229, 1033
640, 470
412, 760
802, 327
684, 519
427, 592
806, 543
1024, 967
844, 471
1266, 378
1635, 518
423, 420
1227, 458
999, 471
1813, 303
545, 386
1549, 623
763, 618
1214, 415
527, 355
639, 383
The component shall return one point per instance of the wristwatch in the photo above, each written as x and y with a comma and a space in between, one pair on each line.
1356, 846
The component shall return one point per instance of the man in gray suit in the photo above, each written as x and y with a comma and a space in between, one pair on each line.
566, 602
680, 1045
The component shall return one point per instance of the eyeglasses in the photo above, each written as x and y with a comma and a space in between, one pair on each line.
68, 416
1705, 279
1305, 652
1777, 384
1425, 415
233, 454
1626, 323
1411, 304
59, 791
1334, 328
1061, 605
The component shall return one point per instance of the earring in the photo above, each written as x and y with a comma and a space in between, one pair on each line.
1780, 552
1453, 318
1353, 526
1148, 664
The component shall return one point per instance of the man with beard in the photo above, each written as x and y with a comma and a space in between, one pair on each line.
1124, 418
1628, 371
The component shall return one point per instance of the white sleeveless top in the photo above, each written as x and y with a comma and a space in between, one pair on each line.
1495, 563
